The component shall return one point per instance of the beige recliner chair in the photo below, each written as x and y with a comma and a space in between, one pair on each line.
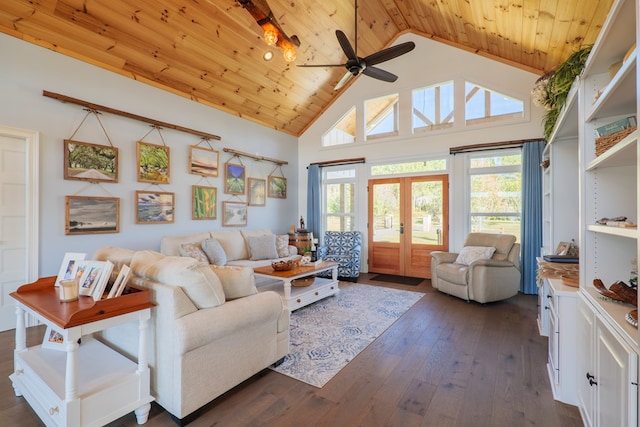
486, 269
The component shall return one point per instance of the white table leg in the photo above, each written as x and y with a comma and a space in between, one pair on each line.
287, 289
142, 413
21, 344
71, 375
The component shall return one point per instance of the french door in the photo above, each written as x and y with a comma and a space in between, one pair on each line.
408, 219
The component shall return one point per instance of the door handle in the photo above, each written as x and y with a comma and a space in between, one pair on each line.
401, 228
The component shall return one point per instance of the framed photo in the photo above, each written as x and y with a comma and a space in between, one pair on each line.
153, 163
203, 161
90, 162
92, 274
53, 340
153, 207
69, 266
92, 215
234, 214
120, 283
234, 178
257, 191
277, 187
204, 203
563, 248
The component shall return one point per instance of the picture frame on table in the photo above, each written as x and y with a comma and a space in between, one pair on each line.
234, 178
91, 276
91, 215
120, 283
155, 207
154, 163
203, 161
277, 187
204, 202
234, 214
563, 248
257, 191
53, 340
84, 161
69, 266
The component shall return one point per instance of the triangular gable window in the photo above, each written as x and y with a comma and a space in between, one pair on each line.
343, 132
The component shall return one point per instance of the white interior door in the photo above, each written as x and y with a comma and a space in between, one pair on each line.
18, 217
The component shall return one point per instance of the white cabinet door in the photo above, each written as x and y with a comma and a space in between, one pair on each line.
616, 389
585, 361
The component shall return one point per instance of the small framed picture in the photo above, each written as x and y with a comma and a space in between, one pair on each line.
563, 248
92, 215
234, 214
92, 274
153, 163
257, 191
203, 161
69, 266
90, 162
53, 339
277, 187
204, 202
153, 207
234, 178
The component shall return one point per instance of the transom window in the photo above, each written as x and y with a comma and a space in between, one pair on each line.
343, 132
433, 107
484, 105
382, 116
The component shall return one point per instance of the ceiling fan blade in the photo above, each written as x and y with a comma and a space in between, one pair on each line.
379, 74
346, 46
389, 53
343, 81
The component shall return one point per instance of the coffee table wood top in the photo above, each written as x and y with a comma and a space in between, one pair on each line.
300, 270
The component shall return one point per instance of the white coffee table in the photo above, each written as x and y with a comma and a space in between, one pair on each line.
294, 296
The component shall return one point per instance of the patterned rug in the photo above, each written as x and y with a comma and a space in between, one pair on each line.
328, 334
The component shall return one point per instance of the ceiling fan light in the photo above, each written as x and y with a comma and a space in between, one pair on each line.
288, 51
270, 35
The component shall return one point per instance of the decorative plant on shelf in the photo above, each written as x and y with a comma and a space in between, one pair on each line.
552, 88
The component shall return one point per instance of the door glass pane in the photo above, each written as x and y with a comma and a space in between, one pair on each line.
426, 212
386, 213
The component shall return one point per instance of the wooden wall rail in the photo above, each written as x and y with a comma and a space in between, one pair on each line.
92, 106
255, 157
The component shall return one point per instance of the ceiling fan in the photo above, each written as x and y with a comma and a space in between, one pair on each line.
357, 65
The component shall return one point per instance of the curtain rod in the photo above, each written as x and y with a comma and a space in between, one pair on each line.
92, 106
490, 146
339, 162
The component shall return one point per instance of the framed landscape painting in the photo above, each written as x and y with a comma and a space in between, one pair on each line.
154, 207
234, 214
204, 202
277, 187
203, 161
257, 191
234, 178
153, 163
92, 215
90, 162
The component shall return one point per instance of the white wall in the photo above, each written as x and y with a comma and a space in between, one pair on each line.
429, 63
27, 70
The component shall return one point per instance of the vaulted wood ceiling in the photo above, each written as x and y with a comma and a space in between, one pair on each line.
211, 50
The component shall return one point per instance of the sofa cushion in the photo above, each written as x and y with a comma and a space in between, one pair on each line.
237, 282
282, 245
469, 254
196, 279
214, 252
453, 273
262, 247
170, 245
193, 250
233, 244
118, 256
502, 242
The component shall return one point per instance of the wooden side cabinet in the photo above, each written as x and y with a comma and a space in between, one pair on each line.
77, 380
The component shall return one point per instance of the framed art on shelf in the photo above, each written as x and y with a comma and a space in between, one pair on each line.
204, 202
257, 191
234, 178
154, 207
234, 214
69, 266
53, 340
120, 283
92, 215
153, 163
90, 162
277, 187
91, 276
203, 161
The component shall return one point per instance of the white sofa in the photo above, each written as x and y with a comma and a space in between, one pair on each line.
241, 247
209, 331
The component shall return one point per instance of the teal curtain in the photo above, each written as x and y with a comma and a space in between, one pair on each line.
314, 179
531, 214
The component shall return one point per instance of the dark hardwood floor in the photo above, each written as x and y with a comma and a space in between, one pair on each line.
445, 362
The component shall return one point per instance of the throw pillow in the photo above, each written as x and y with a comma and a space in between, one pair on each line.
262, 247
193, 250
237, 282
282, 245
214, 252
469, 254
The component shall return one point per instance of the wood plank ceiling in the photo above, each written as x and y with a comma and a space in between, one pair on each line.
211, 50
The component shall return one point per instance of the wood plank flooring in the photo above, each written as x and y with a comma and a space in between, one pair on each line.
445, 362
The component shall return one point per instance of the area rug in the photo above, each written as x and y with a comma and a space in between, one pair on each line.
328, 334
403, 280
